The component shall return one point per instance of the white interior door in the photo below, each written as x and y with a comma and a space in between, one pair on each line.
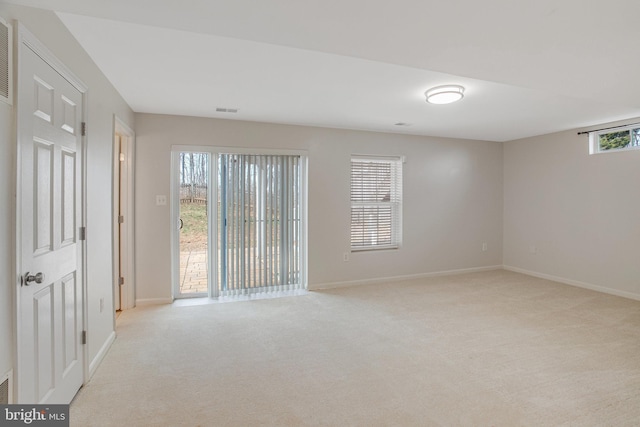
50, 360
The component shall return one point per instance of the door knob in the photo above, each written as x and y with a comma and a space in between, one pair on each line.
28, 278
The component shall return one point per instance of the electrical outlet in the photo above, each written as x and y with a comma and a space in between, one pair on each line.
484, 247
101, 305
345, 257
161, 200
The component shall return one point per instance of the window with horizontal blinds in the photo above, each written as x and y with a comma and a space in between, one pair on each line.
376, 203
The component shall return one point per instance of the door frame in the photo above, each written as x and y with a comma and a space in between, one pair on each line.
27, 40
128, 290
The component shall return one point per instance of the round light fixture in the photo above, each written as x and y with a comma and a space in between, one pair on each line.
444, 94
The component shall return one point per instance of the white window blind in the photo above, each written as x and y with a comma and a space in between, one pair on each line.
376, 203
259, 223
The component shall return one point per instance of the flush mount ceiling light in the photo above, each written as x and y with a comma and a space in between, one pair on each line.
444, 94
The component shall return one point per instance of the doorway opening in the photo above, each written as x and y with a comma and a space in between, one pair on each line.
123, 217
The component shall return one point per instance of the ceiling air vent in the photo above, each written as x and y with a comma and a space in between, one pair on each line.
226, 110
6, 85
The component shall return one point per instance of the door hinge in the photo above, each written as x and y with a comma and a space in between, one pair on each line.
83, 129
83, 339
121, 281
83, 233
121, 219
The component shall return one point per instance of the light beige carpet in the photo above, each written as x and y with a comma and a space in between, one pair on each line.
486, 349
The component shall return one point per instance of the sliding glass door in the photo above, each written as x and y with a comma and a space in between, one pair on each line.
257, 223
193, 208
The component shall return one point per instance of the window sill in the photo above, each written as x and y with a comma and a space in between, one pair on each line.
375, 248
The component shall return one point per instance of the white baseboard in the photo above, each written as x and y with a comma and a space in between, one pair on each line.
319, 286
101, 354
153, 301
576, 283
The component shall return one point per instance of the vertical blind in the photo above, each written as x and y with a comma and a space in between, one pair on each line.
376, 203
259, 223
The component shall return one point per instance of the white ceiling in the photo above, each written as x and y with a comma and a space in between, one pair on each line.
529, 67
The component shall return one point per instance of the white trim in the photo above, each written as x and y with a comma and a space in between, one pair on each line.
27, 38
238, 150
333, 285
190, 302
375, 248
174, 218
562, 280
577, 283
304, 217
115, 235
18, 219
212, 226
153, 301
378, 158
102, 353
128, 289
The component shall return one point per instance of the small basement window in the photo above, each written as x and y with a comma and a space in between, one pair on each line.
617, 139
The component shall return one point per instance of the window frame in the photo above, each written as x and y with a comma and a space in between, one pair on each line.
594, 139
395, 201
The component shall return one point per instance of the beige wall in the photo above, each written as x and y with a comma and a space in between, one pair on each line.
580, 211
103, 102
452, 198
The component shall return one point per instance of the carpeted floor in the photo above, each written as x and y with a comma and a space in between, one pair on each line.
485, 349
